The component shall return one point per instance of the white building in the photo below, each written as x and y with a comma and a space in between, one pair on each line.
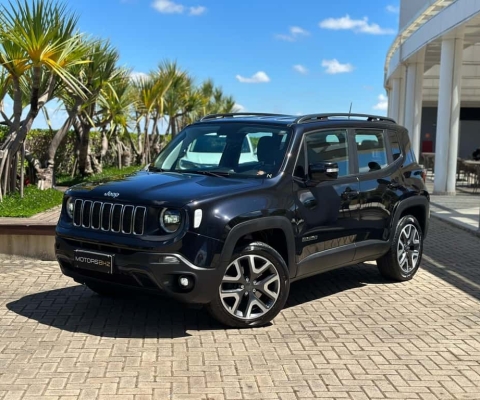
432, 77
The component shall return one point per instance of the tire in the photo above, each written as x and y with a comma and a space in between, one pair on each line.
397, 264
251, 297
104, 289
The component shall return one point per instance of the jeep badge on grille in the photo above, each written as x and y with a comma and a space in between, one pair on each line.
110, 194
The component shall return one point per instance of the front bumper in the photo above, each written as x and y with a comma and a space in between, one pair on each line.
146, 271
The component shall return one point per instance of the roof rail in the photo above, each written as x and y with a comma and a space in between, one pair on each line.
315, 117
241, 114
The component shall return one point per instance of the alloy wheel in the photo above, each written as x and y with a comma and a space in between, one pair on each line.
250, 287
408, 249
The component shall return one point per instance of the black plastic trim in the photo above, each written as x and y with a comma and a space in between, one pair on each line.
258, 225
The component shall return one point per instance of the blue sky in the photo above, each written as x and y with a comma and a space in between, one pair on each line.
284, 56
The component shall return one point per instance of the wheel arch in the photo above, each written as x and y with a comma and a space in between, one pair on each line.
258, 229
419, 207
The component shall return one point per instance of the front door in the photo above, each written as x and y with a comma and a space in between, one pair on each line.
326, 213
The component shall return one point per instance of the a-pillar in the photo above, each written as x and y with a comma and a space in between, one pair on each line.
414, 98
448, 119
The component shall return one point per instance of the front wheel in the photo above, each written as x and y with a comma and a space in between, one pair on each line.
254, 288
402, 261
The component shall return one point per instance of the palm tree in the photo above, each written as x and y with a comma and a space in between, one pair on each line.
98, 75
152, 91
38, 45
115, 107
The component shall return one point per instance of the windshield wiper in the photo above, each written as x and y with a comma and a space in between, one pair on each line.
218, 174
156, 169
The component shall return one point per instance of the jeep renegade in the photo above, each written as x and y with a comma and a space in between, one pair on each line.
319, 192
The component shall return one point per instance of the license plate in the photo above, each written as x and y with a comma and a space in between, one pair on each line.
93, 261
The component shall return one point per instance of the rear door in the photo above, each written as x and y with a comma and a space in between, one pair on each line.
377, 171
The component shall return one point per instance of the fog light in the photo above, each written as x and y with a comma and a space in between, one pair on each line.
185, 282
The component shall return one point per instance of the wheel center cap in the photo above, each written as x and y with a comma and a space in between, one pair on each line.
249, 286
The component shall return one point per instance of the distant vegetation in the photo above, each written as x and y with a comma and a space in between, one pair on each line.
113, 115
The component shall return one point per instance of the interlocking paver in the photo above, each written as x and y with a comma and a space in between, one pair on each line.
347, 334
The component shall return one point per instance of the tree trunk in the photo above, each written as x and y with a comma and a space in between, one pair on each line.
54, 145
146, 146
84, 164
104, 149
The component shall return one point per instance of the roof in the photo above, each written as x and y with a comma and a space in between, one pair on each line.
288, 120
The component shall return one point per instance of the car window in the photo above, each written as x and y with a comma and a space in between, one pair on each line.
329, 146
213, 143
236, 149
371, 152
394, 145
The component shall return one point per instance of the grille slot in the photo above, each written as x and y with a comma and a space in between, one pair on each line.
109, 217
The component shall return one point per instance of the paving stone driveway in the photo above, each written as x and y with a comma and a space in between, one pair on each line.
345, 335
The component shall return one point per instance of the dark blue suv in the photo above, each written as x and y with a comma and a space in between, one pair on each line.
238, 206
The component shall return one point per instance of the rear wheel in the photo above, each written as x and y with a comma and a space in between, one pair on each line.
402, 261
254, 288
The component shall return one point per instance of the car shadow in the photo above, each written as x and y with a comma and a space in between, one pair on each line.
79, 310
334, 282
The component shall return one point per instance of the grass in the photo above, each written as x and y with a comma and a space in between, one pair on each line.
33, 202
67, 180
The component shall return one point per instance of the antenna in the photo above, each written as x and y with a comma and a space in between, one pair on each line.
350, 111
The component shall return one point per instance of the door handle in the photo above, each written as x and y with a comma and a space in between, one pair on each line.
393, 185
348, 194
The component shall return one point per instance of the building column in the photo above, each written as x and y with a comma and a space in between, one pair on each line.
394, 99
401, 103
414, 99
448, 119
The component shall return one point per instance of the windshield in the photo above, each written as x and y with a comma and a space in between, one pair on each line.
234, 149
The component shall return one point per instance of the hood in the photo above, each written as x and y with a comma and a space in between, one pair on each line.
162, 188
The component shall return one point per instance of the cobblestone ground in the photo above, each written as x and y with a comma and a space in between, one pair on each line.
347, 334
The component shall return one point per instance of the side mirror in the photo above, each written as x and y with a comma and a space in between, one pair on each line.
325, 171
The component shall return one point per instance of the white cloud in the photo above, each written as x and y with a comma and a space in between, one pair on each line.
259, 77
138, 75
300, 69
170, 7
355, 25
335, 67
382, 103
239, 108
295, 33
393, 9
199, 10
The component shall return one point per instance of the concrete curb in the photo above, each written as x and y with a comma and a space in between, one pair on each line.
456, 224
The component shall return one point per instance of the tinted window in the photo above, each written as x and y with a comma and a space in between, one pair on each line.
213, 143
394, 145
329, 146
371, 152
235, 149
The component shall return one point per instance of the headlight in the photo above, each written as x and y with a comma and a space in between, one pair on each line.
170, 220
69, 206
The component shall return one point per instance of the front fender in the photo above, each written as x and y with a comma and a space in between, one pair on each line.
256, 225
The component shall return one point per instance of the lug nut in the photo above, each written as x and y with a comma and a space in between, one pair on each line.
254, 290
242, 287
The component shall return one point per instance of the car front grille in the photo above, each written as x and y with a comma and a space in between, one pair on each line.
109, 217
